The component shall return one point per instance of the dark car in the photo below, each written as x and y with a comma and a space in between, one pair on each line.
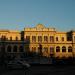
17, 64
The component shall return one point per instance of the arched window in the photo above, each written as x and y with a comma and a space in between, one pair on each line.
15, 49
69, 49
63, 49
9, 48
21, 49
57, 49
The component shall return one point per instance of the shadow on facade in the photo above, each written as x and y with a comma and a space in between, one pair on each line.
69, 36
64, 60
24, 51
12, 49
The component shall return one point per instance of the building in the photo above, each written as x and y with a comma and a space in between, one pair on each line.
53, 43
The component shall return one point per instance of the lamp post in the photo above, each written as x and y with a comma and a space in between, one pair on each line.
40, 51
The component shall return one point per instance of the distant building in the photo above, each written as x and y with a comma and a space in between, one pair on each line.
53, 43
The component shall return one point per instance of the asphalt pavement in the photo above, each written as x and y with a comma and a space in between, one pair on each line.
41, 70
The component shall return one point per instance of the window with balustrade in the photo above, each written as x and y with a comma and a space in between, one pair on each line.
27, 38
51, 38
39, 38
45, 38
33, 38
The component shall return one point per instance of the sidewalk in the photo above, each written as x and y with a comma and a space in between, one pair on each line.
39, 60
2, 69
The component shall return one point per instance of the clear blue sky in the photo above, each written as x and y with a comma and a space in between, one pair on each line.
17, 14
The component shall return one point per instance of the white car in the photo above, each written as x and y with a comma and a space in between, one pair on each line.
17, 64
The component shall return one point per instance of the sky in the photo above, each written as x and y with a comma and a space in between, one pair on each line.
18, 14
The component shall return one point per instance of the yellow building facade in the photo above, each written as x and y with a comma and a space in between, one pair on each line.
54, 43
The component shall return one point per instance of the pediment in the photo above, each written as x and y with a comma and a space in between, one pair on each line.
41, 26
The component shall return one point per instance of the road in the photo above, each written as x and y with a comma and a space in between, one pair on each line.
42, 70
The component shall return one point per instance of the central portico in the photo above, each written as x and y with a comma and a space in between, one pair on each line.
40, 35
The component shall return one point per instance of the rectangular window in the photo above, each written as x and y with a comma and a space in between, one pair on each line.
11, 38
51, 50
74, 38
62, 38
33, 38
51, 38
56, 38
16, 38
69, 38
46, 38
27, 37
39, 38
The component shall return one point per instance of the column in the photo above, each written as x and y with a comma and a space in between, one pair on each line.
42, 38
36, 38
48, 38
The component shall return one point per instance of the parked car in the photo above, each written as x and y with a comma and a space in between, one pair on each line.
17, 64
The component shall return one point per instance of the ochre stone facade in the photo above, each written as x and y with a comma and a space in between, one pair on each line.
54, 43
